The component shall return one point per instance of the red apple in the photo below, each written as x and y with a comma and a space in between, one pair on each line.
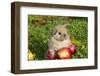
50, 56
73, 49
64, 53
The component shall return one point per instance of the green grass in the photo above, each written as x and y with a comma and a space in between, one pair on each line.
40, 28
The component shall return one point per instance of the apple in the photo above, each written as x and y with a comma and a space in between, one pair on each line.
73, 49
50, 56
64, 53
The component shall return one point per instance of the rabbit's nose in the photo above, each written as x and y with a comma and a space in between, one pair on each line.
64, 35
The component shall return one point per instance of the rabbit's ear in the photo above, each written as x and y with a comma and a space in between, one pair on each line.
54, 32
66, 25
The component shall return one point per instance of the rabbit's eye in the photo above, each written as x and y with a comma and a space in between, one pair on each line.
59, 33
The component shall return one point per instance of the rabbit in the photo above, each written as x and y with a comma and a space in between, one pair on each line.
59, 39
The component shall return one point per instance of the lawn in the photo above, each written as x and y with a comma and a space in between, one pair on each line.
40, 28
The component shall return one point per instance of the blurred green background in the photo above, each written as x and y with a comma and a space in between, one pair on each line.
40, 28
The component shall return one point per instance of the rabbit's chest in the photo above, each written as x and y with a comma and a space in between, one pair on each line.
62, 44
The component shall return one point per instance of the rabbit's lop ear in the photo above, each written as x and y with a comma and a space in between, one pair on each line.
66, 25
54, 31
